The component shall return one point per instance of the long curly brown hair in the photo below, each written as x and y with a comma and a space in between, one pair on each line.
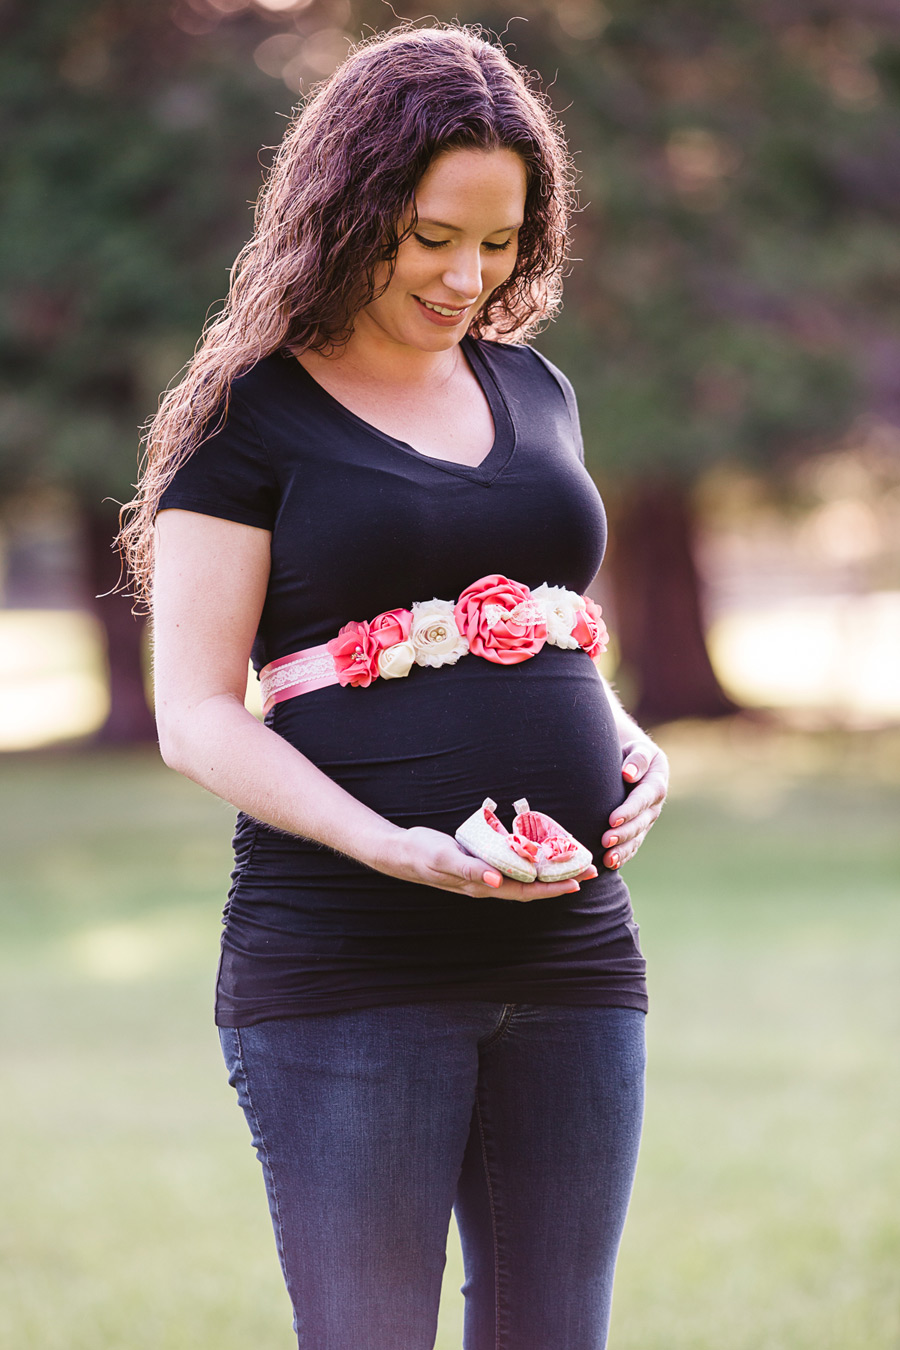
330, 212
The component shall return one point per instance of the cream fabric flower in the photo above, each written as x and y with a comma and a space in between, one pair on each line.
397, 661
561, 612
435, 634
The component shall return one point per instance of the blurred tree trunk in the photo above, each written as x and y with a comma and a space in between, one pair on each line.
658, 610
130, 720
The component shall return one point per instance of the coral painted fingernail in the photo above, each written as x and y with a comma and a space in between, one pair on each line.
620, 820
630, 769
573, 887
614, 860
492, 879
613, 840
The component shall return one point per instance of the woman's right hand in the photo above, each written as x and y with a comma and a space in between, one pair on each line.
430, 858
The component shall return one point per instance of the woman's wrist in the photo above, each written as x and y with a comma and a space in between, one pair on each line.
383, 847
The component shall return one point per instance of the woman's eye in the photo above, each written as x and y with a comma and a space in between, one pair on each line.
442, 243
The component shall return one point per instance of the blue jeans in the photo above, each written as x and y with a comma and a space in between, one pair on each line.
372, 1124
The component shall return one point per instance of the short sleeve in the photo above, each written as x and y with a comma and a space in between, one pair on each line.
229, 474
568, 393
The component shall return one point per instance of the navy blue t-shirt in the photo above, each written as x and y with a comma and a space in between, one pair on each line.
363, 523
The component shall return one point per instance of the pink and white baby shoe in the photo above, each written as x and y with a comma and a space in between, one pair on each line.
485, 837
558, 856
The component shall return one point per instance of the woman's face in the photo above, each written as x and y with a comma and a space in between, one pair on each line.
470, 206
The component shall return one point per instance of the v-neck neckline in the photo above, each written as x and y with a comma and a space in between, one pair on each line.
496, 458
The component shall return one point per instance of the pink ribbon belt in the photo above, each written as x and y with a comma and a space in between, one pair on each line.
299, 673
495, 618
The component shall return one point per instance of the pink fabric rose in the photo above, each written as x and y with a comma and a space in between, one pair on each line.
590, 630
557, 847
389, 628
356, 648
526, 848
355, 655
500, 620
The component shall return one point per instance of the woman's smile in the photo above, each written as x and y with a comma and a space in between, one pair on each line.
442, 314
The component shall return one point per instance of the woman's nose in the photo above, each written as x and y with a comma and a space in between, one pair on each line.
463, 275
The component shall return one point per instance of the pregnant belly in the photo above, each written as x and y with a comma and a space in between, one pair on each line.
427, 749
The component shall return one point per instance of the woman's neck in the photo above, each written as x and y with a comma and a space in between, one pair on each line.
373, 358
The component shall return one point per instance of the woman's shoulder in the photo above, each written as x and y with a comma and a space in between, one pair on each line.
518, 358
522, 368
269, 377
230, 471
263, 400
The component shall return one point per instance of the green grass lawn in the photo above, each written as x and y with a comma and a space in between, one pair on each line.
767, 1209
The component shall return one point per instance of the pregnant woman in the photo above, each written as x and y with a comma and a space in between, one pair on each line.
371, 484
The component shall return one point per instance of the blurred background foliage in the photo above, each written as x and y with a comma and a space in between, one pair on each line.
733, 313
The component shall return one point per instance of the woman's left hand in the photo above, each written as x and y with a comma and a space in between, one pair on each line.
646, 768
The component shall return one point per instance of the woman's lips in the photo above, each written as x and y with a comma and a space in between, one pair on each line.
443, 320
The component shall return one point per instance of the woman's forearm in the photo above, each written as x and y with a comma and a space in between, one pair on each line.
628, 730
645, 771
223, 747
